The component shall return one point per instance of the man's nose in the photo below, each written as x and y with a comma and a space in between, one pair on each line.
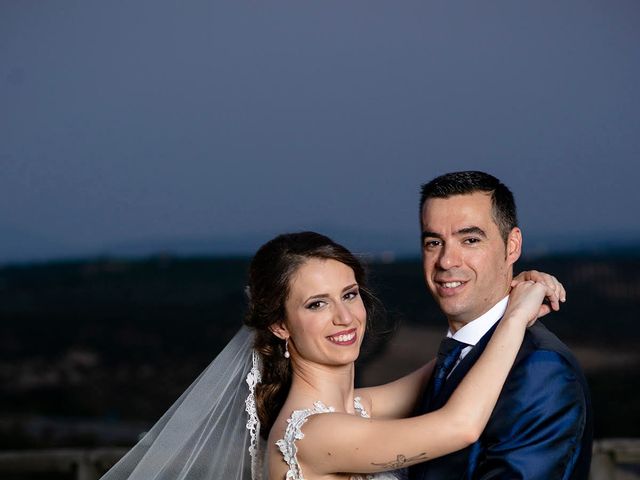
449, 257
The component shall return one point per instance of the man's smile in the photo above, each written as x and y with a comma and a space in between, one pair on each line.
450, 287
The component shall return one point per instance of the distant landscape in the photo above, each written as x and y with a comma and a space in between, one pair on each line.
92, 351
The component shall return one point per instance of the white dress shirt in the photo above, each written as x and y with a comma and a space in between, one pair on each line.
473, 331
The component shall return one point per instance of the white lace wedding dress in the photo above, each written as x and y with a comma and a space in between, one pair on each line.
293, 432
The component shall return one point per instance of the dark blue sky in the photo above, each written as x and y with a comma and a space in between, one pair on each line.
156, 123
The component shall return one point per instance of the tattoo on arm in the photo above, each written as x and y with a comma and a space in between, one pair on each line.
401, 461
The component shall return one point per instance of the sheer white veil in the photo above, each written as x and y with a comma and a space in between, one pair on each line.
211, 431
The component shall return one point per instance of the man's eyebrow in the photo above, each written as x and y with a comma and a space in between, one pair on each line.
463, 231
472, 230
427, 234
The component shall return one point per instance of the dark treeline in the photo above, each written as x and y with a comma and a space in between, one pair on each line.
119, 340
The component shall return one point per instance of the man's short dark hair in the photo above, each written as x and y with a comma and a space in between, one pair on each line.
464, 183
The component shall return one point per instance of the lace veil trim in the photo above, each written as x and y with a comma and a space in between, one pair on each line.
253, 423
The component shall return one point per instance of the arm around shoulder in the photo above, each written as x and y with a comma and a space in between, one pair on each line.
339, 442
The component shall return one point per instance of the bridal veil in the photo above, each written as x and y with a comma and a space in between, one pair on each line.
209, 432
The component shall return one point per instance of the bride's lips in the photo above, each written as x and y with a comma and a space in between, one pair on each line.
449, 288
345, 337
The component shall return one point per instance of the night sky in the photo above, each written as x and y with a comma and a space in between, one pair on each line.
132, 126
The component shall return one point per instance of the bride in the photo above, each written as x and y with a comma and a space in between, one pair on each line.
307, 316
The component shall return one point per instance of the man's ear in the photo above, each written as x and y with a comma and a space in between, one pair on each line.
280, 330
514, 245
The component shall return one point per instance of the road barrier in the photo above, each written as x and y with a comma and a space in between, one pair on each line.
613, 459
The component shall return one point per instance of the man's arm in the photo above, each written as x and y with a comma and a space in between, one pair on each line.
537, 426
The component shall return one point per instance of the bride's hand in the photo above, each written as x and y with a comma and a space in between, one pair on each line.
526, 301
557, 292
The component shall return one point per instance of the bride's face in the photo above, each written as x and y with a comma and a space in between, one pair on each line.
325, 315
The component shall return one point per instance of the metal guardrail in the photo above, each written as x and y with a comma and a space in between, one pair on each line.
613, 459
89, 464
616, 459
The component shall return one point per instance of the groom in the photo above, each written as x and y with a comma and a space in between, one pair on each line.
541, 426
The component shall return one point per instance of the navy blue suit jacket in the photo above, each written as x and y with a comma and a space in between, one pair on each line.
541, 427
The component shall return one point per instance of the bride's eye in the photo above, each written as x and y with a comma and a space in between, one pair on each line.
315, 305
351, 294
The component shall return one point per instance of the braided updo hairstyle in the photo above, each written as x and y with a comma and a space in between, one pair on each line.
270, 273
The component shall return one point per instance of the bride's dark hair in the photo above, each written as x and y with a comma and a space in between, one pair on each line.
270, 274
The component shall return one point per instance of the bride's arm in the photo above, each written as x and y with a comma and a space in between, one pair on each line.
398, 399
346, 443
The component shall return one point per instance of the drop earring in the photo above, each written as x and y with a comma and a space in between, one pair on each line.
286, 348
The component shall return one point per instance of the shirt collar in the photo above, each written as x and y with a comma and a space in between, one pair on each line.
473, 331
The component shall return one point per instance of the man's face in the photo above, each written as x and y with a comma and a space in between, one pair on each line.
466, 265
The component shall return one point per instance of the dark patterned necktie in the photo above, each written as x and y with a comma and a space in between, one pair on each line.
448, 353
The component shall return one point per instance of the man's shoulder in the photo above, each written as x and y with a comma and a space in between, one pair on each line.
540, 337
542, 345
545, 371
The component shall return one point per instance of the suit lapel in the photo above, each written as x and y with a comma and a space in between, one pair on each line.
462, 369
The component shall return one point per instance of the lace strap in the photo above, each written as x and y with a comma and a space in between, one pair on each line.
253, 423
357, 405
293, 432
